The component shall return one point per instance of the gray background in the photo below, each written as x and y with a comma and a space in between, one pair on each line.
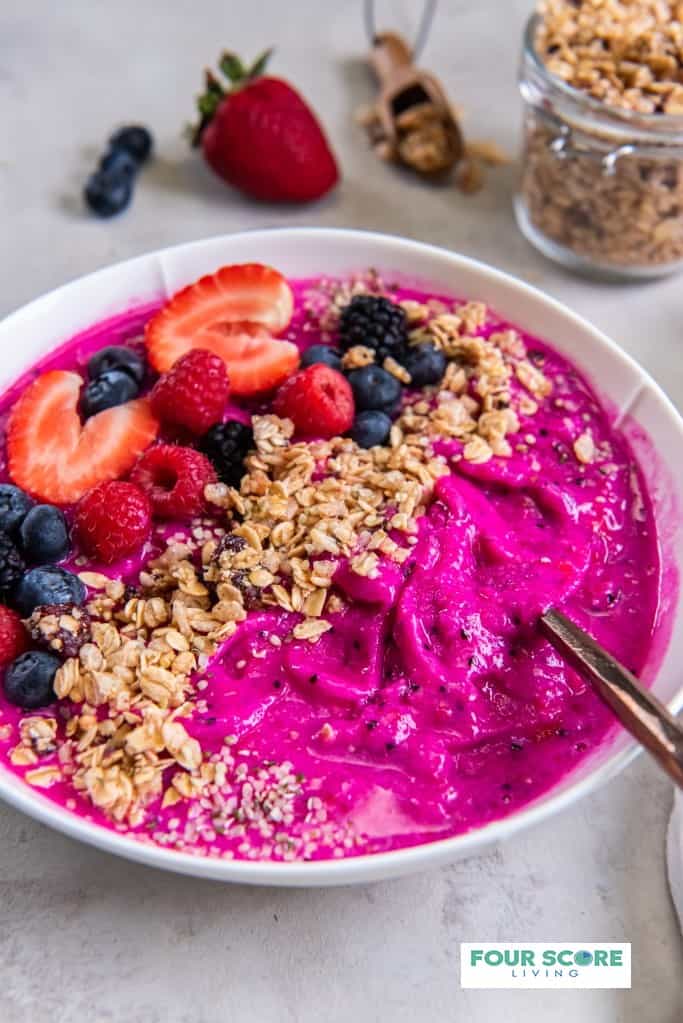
84, 936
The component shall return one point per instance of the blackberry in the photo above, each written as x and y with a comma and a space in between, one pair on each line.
14, 507
12, 567
226, 446
376, 323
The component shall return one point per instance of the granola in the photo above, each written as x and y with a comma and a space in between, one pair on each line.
626, 53
615, 206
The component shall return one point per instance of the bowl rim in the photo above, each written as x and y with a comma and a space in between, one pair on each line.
373, 866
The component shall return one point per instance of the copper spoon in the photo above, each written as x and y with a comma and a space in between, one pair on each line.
639, 711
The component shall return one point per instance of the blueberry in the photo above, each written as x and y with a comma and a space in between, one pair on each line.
44, 535
371, 428
135, 139
119, 161
322, 354
12, 566
426, 364
374, 388
14, 506
28, 680
108, 193
114, 387
117, 357
48, 585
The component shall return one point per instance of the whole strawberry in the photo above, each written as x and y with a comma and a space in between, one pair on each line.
261, 136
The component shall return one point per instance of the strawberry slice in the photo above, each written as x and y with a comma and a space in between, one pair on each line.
233, 313
56, 458
256, 362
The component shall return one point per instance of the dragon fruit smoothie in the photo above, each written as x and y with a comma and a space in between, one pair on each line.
363, 667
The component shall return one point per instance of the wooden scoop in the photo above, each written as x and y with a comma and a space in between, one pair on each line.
414, 123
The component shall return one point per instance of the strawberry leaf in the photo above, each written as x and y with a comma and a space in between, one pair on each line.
259, 65
232, 67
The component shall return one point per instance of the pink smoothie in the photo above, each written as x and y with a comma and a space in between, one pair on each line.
433, 706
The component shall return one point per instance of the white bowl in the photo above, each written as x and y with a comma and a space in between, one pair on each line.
635, 398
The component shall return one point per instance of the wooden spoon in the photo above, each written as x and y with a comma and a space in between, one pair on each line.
414, 122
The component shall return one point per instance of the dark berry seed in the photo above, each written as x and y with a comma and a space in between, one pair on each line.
321, 354
47, 585
226, 446
12, 567
45, 535
376, 323
119, 161
14, 507
28, 680
114, 387
108, 193
374, 388
371, 428
117, 357
135, 139
425, 363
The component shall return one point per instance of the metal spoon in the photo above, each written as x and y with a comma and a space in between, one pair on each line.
639, 711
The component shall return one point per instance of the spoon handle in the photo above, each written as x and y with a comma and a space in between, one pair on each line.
639, 711
391, 58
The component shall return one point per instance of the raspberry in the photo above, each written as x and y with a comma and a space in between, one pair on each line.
375, 322
174, 478
194, 391
13, 636
112, 520
318, 400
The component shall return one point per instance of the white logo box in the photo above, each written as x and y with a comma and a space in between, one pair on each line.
545, 964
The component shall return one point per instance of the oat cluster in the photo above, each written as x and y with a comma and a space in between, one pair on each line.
627, 53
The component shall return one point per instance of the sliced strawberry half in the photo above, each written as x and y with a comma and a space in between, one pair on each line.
225, 312
56, 458
256, 361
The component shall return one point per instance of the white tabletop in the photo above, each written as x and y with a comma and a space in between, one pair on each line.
86, 937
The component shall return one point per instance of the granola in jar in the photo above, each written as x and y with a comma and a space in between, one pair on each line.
602, 168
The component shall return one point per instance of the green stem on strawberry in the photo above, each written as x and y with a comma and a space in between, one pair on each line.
214, 91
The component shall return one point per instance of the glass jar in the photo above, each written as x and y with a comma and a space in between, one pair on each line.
601, 188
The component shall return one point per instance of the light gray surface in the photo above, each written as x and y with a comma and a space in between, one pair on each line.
83, 936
